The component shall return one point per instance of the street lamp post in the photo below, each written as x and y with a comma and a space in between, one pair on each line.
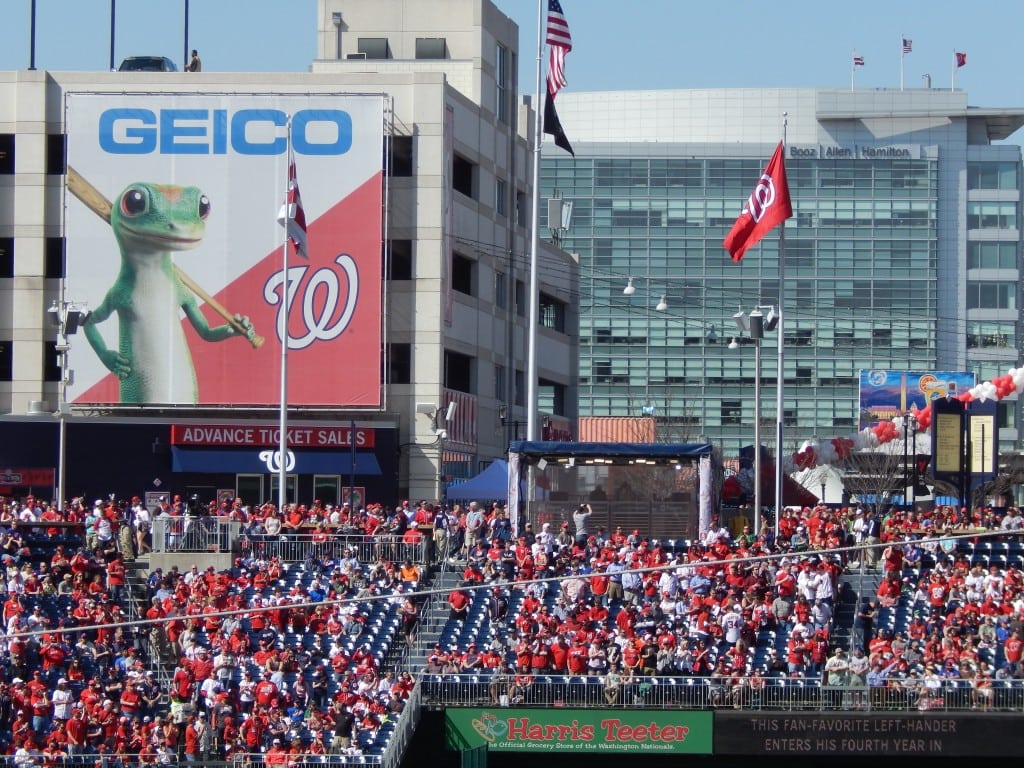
757, 324
68, 317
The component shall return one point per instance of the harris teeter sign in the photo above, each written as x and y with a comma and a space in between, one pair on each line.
580, 730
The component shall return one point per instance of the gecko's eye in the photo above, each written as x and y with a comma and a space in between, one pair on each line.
135, 201
204, 207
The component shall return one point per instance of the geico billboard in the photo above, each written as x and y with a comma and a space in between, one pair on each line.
175, 248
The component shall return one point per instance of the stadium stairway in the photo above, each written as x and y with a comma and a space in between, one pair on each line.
854, 586
433, 618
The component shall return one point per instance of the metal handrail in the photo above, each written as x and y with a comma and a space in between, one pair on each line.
679, 692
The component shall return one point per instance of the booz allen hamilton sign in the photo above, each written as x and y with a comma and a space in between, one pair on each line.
868, 735
856, 152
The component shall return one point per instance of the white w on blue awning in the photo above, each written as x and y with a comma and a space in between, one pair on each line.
248, 461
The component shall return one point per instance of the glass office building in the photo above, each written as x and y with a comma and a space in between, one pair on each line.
903, 252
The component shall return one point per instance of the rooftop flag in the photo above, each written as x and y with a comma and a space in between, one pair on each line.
908, 45
858, 60
767, 207
961, 59
560, 43
558, 27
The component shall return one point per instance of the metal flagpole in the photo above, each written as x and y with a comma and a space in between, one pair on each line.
902, 57
780, 375
531, 363
282, 472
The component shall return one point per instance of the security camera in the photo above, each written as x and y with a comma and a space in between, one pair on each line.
442, 434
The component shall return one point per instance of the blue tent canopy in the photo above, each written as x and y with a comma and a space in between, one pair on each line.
491, 484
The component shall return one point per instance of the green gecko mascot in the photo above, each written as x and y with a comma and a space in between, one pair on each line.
152, 360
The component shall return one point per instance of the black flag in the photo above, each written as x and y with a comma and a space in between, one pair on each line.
553, 125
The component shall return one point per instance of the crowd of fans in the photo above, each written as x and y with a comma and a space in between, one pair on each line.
267, 656
739, 609
277, 657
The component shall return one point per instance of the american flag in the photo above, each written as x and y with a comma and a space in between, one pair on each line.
858, 60
908, 45
558, 27
560, 42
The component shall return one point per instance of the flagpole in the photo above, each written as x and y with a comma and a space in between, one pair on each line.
952, 73
780, 375
902, 57
282, 491
853, 67
531, 366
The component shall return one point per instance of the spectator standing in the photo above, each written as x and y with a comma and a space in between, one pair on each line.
195, 64
872, 531
581, 520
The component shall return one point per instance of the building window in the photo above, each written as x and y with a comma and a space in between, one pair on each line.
732, 412
431, 48
249, 488
51, 369
400, 263
552, 313
499, 383
458, 372
551, 397
401, 156
374, 47
6, 360
463, 173
53, 258
6, 257
521, 308
500, 288
6, 154
500, 197
988, 295
400, 363
522, 212
462, 274
290, 484
56, 154
991, 255
519, 396
991, 215
985, 335
502, 82
992, 175
327, 488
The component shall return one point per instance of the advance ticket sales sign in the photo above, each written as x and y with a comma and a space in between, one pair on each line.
580, 730
174, 246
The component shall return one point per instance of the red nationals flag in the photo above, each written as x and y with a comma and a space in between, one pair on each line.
961, 59
291, 216
767, 207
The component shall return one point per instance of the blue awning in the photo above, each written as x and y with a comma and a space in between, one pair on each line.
248, 461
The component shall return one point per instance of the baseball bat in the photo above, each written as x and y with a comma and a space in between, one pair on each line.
96, 202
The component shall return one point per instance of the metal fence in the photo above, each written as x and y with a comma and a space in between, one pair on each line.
218, 534
776, 693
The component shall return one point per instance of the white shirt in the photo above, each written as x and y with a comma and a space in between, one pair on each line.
62, 699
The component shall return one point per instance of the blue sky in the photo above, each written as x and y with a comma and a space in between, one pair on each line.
654, 44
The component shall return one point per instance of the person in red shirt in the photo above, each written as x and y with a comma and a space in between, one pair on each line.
266, 691
184, 682
1013, 647
76, 731
458, 601
116, 574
